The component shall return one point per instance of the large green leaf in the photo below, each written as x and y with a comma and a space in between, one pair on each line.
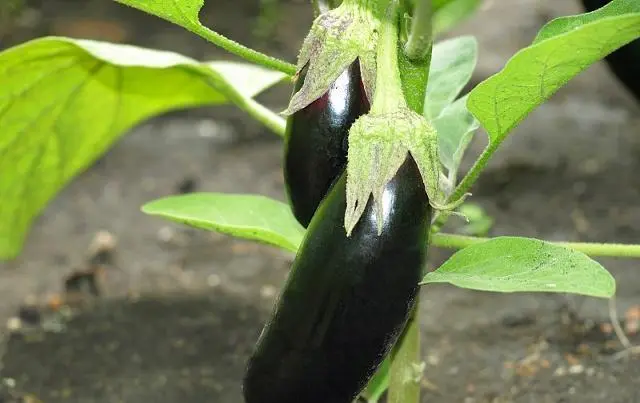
63, 102
244, 216
513, 264
563, 48
562, 25
185, 14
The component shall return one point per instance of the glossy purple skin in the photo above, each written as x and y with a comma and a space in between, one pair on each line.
315, 150
346, 298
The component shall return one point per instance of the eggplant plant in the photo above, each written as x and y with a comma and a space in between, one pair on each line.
374, 135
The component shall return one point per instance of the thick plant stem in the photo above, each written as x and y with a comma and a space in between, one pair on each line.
413, 73
405, 369
388, 95
452, 241
418, 46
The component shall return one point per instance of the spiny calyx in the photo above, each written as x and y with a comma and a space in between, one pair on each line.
336, 39
378, 145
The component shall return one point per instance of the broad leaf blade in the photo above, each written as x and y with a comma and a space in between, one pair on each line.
63, 102
452, 64
562, 50
513, 264
244, 216
562, 25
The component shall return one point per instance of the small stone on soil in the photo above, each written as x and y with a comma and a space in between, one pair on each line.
576, 369
101, 248
268, 291
213, 280
14, 324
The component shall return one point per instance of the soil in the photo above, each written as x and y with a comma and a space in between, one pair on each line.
179, 310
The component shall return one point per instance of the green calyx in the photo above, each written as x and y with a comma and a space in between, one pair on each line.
379, 141
337, 38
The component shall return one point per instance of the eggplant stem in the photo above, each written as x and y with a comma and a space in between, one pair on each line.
453, 241
420, 39
388, 95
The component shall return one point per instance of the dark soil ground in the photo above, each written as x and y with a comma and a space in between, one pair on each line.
180, 310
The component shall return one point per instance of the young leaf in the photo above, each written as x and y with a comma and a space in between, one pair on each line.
455, 127
243, 216
63, 102
452, 64
185, 14
479, 222
378, 383
564, 48
406, 367
452, 13
512, 264
561, 25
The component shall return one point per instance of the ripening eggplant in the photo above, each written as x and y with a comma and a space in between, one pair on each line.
346, 298
625, 61
315, 150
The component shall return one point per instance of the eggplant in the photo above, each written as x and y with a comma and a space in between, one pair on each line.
345, 300
625, 61
315, 148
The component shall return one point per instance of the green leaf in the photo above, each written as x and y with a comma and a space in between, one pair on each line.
378, 383
564, 48
452, 65
512, 264
244, 216
407, 367
185, 13
64, 102
455, 127
479, 221
562, 25
452, 13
